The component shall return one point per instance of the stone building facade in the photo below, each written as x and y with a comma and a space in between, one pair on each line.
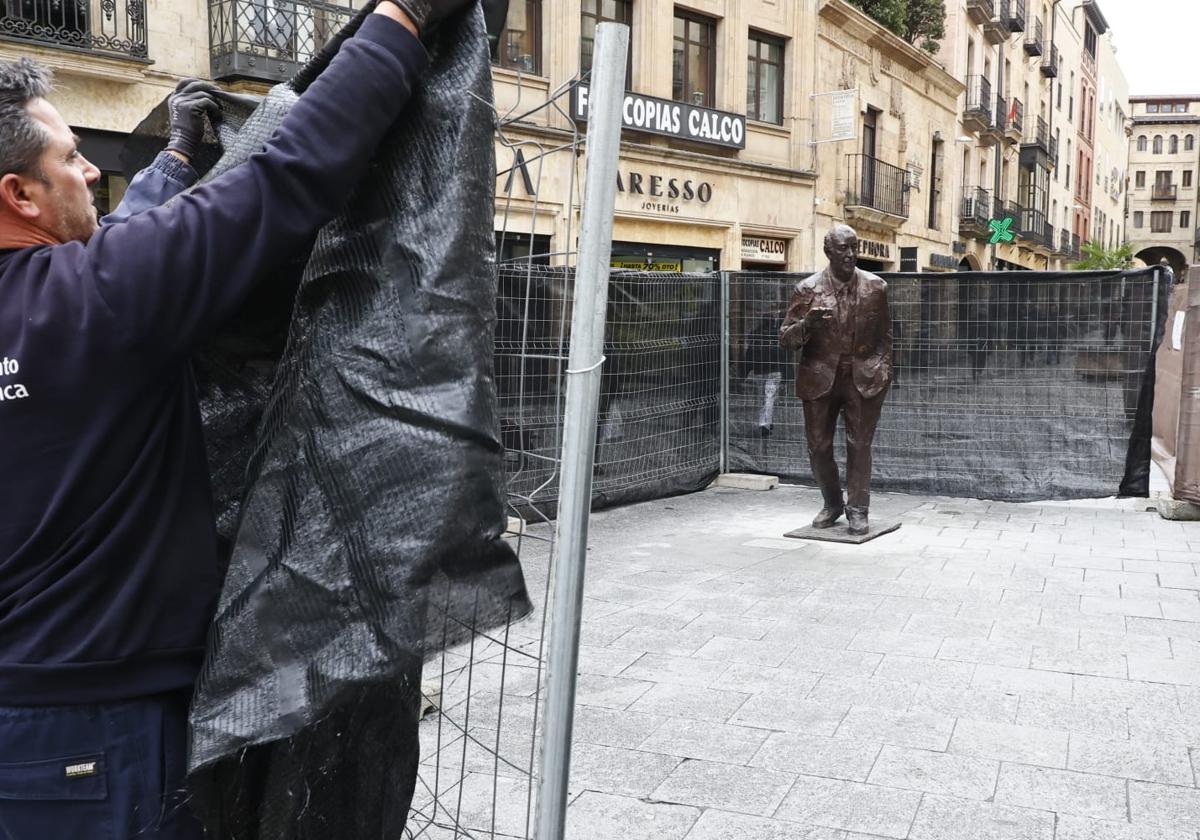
751, 125
1164, 162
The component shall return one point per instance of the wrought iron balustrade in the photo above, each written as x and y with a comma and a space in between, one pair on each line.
1031, 224
114, 28
1016, 116
981, 11
1064, 242
1038, 135
269, 40
1034, 37
975, 211
1050, 61
872, 183
1165, 192
1016, 16
977, 115
1075, 246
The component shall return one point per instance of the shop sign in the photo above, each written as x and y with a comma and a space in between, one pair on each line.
958, 247
661, 193
760, 250
646, 264
845, 115
873, 250
671, 119
943, 261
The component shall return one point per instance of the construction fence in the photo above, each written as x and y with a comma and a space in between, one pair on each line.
1017, 386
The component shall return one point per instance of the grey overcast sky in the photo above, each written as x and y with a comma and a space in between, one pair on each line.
1156, 43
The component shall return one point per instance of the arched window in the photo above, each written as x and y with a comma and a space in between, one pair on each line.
1158, 144
1141, 144
1173, 145
1189, 143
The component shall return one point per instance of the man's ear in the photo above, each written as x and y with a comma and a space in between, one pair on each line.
16, 197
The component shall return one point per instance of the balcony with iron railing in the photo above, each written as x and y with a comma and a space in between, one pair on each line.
1014, 121
1050, 61
1031, 224
977, 115
269, 40
1036, 140
1033, 38
1016, 16
1053, 152
981, 11
876, 191
975, 211
996, 30
111, 28
1064, 242
1164, 192
1074, 246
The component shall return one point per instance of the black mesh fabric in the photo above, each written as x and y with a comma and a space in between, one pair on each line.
1019, 386
351, 419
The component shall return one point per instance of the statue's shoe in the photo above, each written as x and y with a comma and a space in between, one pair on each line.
857, 518
827, 517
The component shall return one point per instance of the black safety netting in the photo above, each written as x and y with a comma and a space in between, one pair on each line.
351, 419
660, 389
1015, 385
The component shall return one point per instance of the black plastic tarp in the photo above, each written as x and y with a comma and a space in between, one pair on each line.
351, 419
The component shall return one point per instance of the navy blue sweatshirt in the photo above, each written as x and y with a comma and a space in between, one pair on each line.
108, 566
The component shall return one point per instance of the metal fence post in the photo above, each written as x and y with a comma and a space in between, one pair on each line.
725, 352
606, 93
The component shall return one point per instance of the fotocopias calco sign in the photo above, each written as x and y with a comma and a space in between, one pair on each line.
671, 119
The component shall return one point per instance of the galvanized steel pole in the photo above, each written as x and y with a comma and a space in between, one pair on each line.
606, 93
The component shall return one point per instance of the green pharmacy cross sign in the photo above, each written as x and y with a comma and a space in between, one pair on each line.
1002, 230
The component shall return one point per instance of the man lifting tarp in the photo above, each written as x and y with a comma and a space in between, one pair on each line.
367, 532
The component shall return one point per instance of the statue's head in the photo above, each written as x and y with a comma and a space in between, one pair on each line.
841, 247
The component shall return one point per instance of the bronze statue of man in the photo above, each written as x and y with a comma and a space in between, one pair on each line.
839, 325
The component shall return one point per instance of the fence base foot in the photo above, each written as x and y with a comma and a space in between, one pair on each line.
431, 698
746, 481
1178, 511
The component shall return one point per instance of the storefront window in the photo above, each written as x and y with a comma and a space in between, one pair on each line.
601, 11
647, 257
695, 59
520, 44
764, 81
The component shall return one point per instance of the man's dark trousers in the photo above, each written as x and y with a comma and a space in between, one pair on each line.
820, 421
113, 771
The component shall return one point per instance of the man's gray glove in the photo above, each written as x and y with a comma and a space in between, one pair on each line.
187, 106
427, 14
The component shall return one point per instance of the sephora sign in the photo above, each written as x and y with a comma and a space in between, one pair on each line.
671, 119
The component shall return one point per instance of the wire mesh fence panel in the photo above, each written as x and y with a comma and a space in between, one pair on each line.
1013, 386
479, 743
659, 419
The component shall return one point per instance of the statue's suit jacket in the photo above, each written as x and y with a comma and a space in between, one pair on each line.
817, 364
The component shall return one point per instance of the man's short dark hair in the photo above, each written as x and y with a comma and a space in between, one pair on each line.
22, 138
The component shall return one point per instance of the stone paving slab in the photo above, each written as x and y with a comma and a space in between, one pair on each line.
991, 671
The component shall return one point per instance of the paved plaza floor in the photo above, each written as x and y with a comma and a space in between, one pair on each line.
991, 670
